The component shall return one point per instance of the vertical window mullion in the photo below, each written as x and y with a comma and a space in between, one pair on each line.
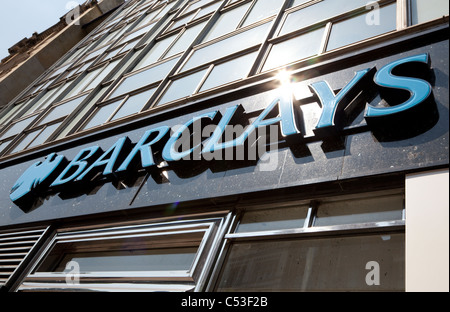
257, 64
326, 37
311, 216
202, 81
402, 14
246, 14
184, 55
118, 108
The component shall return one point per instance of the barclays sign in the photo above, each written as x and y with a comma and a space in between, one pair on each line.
400, 84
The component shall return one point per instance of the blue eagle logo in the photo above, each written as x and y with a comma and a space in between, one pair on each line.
39, 175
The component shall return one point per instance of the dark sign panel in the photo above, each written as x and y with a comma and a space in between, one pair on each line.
384, 116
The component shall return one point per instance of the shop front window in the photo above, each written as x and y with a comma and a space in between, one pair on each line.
351, 243
171, 256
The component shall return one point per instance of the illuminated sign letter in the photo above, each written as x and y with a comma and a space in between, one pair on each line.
144, 149
420, 90
80, 162
332, 104
286, 118
108, 159
169, 152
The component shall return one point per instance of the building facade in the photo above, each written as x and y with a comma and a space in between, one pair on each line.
238, 145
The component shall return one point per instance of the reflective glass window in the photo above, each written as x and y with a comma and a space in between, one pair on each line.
375, 209
227, 46
320, 264
227, 22
295, 49
273, 219
318, 12
230, 71
185, 40
357, 28
144, 78
261, 10
134, 104
182, 87
102, 115
62, 110
426, 10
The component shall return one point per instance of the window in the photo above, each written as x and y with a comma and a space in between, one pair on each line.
118, 109
314, 28
357, 29
295, 49
171, 256
319, 245
423, 11
46, 125
242, 16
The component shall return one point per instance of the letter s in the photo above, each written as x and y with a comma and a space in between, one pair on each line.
395, 119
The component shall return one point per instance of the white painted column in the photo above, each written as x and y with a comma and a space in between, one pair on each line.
427, 232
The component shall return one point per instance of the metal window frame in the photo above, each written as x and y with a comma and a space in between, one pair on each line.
308, 231
213, 229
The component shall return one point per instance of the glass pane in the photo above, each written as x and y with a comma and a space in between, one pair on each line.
377, 209
185, 40
209, 9
322, 264
261, 10
105, 72
35, 138
25, 141
427, 10
62, 110
18, 127
227, 22
81, 115
79, 87
144, 78
318, 12
357, 28
298, 2
102, 115
11, 111
197, 5
182, 21
273, 219
179, 259
155, 53
134, 104
295, 49
230, 71
119, 258
227, 46
127, 253
3, 145
44, 135
43, 102
182, 87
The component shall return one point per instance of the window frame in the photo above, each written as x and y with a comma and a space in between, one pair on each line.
308, 230
194, 279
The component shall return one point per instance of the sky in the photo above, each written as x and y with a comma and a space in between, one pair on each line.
21, 18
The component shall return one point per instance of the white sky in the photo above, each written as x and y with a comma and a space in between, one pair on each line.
21, 18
